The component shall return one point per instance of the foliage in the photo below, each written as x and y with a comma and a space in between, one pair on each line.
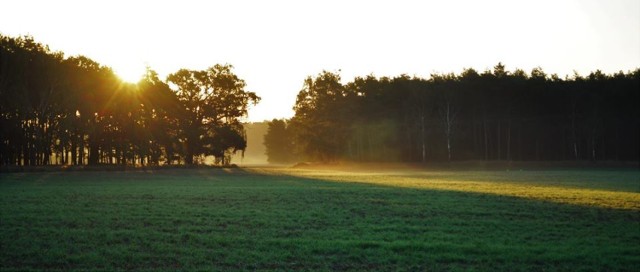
493, 115
319, 122
214, 100
74, 111
279, 142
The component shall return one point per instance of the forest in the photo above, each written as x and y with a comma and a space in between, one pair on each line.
57, 110
491, 115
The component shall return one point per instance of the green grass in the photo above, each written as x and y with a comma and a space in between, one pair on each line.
291, 219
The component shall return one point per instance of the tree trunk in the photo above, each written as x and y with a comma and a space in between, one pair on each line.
81, 151
593, 147
574, 135
46, 160
448, 148
475, 138
370, 146
604, 147
74, 150
188, 158
422, 133
449, 116
499, 142
509, 141
93, 151
617, 143
520, 143
486, 144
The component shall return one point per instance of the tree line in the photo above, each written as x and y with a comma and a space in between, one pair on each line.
490, 115
74, 111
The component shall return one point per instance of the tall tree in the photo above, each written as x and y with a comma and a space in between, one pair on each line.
57, 110
211, 99
319, 114
162, 110
279, 142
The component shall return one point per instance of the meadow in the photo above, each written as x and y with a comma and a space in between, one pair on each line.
400, 219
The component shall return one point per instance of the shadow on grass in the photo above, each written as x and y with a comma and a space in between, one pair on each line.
243, 219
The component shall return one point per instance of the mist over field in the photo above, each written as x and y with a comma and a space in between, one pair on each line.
399, 135
255, 154
377, 217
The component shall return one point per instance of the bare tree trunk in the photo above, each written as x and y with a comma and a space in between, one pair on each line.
46, 158
448, 148
74, 151
449, 115
617, 143
499, 142
93, 151
81, 153
475, 138
370, 145
520, 143
422, 133
593, 146
359, 147
604, 147
509, 141
574, 135
594, 135
486, 144
22, 156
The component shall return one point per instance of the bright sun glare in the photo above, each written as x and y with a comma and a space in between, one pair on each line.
129, 74
128, 68
386, 40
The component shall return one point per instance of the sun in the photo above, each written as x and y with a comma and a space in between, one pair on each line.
129, 73
128, 68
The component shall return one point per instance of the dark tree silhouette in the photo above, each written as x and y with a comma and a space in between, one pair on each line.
213, 101
494, 115
279, 142
320, 119
74, 111
57, 110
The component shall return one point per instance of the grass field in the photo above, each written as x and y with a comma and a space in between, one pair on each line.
311, 219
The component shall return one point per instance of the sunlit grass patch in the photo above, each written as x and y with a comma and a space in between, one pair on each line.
602, 188
265, 219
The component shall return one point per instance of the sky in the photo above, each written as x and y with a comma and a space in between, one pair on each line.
274, 45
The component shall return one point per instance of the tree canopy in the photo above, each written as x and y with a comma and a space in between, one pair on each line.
493, 115
278, 142
75, 111
57, 110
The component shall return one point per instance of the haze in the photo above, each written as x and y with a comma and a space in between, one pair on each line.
274, 45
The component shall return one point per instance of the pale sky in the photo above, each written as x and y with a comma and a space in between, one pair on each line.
274, 45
